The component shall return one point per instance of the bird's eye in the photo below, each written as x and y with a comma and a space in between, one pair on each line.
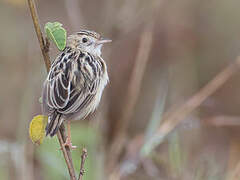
84, 40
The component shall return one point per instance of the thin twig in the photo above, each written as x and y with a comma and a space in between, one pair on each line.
132, 96
39, 34
173, 118
66, 152
83, 158
45, 48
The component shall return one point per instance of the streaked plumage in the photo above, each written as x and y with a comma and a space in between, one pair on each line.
76, 80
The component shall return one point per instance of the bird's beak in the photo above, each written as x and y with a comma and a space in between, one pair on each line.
103, 41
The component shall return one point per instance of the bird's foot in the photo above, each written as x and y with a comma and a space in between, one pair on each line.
68, 143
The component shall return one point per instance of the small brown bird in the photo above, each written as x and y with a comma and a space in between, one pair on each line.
75, 82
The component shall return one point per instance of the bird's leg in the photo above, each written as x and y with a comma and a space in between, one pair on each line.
68, 140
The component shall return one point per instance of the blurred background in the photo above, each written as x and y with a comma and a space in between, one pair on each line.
163, 52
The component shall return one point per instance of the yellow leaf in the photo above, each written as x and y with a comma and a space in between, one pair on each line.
37, 129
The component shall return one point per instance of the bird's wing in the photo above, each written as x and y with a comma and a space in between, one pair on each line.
56, 88
68, 89
84, 85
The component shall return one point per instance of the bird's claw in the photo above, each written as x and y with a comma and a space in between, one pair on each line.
68, 143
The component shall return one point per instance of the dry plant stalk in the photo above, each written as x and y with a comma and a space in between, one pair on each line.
132, 96
83, 158
173, 118
66, 151
45, 48
42, 44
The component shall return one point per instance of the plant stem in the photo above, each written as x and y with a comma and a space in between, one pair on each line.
45, 48
39, 34
66, 151
174, 117
133, 91
83, 158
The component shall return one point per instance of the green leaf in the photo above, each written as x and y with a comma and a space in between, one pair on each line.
57, 34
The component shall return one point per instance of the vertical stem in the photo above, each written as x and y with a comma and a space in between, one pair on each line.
83, 158
66, 152
39, 34
133, 90
45, 48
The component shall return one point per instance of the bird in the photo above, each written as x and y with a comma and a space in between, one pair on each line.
75, 82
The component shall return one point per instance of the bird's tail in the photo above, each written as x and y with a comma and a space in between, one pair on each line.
54, 122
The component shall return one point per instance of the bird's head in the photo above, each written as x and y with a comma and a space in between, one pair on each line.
88, 41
